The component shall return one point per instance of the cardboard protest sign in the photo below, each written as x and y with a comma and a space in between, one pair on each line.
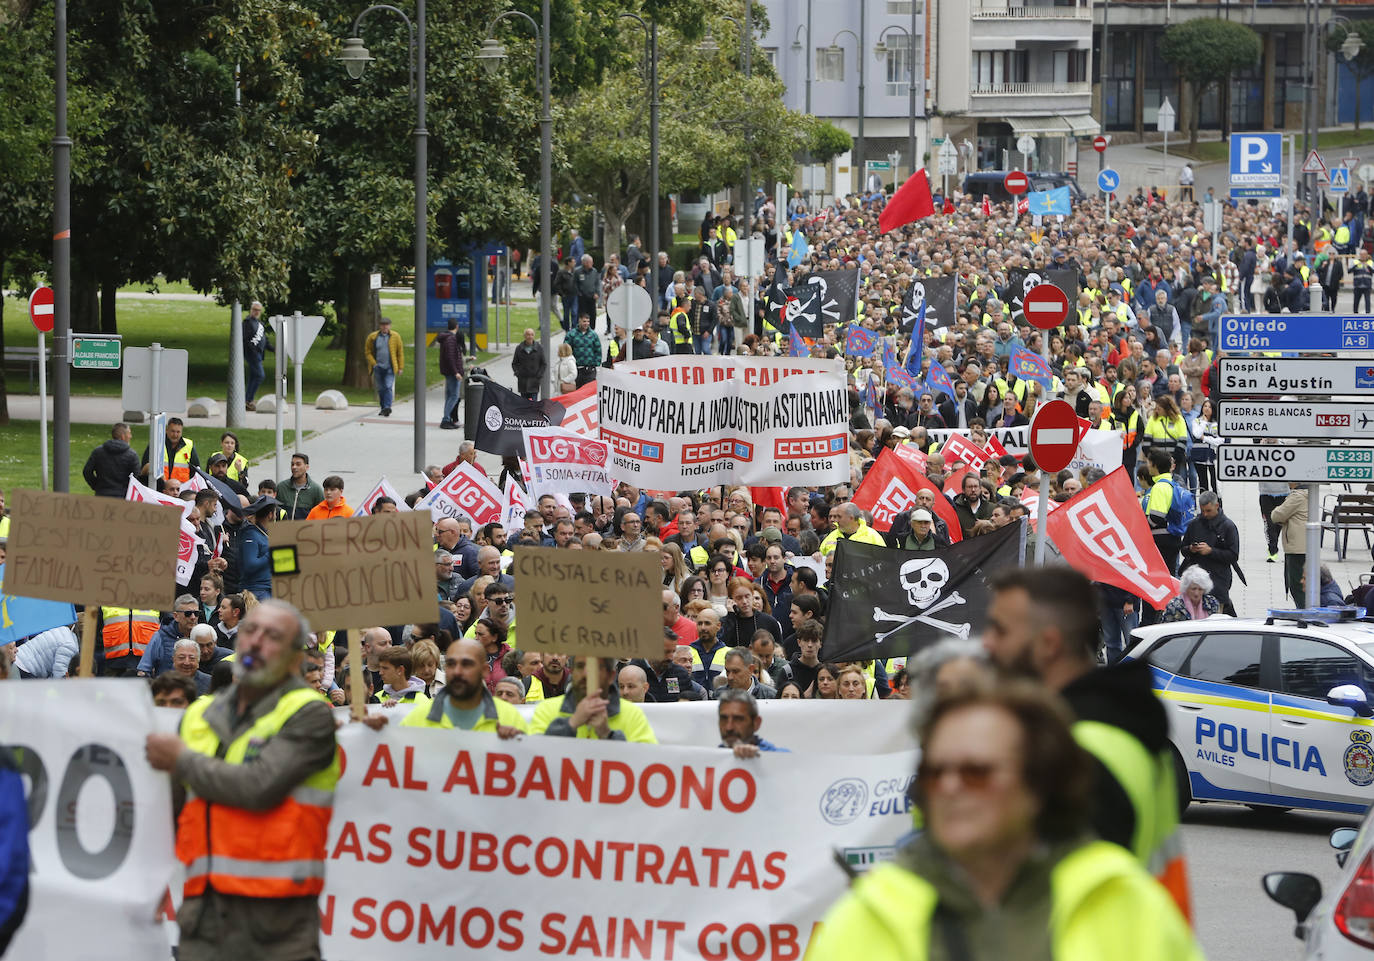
356, 571
91, 550
599, 604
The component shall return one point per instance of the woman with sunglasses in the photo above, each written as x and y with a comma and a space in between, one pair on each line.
1007, 858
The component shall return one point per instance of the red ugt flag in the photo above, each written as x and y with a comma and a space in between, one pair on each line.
1103, 533
912, 201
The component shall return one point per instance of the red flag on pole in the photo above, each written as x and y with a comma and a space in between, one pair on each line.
890, 487
770, 497
987, 206
912, 201
1103, 533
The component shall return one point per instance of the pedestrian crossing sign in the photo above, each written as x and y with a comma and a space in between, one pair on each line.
1340, 180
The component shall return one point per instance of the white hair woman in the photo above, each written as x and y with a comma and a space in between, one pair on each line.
1195, 602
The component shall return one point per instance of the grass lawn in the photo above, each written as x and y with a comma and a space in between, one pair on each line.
202, 328
1213, 151
19, 460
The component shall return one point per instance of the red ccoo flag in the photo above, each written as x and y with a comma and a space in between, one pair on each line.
911, 202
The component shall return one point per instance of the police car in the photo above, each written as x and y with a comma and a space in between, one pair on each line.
1276, 712
1340, 925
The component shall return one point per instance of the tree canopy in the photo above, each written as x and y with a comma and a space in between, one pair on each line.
1206, 52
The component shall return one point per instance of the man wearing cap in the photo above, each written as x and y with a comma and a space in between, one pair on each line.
219, 470
922, 535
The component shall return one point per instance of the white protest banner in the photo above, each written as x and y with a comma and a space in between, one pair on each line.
1015, 440
186, 547
1100, 449
383, 489
580, 411
692, 421
100, 834
465, 492
514, 507
545, 846
562, 462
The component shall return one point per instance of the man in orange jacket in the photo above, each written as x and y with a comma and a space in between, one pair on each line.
333, 504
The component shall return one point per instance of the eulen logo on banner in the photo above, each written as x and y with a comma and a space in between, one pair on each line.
789, 447
566, 451
715, 450
633, 447
1095, 522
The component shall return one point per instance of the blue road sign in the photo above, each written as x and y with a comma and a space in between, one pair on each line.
1340, 180
1256, 159
1263, 333
1252, 193
1108, 180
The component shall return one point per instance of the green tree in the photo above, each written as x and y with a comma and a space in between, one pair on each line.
1362, 65
1205, 52
712, 119
828, 141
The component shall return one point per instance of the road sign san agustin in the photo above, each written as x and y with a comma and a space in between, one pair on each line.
1268, 398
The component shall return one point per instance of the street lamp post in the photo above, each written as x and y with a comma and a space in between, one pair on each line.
859, 47
491, 55
651, 72
61, 258
355, 59
880, 50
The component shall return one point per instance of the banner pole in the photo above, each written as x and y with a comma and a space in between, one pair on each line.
1042, 512
87, 642
1312, 563
355, 674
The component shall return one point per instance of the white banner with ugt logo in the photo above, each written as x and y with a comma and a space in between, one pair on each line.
563, 462
554, 847
465, 492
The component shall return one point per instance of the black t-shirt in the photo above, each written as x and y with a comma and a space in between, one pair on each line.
802, 675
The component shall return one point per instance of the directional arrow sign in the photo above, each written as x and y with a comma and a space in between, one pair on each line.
1257, 418
1295, 376
1108, 180
1292, 462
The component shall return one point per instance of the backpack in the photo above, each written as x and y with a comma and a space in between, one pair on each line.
1182, 509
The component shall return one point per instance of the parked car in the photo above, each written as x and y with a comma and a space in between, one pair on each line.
1340, 926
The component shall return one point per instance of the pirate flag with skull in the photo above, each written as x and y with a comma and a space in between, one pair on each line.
886, 602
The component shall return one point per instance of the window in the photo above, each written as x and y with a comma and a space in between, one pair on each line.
1168, 655
898, 67
904, 7
771, 55
1070, 66
830, 64
994, 68
1311, 668
1226, 659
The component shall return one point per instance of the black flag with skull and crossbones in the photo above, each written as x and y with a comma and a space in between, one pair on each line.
886, 602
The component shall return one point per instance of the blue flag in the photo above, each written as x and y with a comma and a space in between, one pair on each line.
1056, 201
1030, 366
859, 342
800, 248
913, 351
796, 346
870, 398
889, 355
902, 378
938, 379
24, 616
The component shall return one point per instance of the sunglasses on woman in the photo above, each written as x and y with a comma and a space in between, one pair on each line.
973, 775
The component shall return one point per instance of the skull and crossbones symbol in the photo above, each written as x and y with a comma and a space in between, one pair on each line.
923, 579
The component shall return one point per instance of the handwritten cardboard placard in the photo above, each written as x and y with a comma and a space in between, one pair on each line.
594, 603
92, 550
356, 571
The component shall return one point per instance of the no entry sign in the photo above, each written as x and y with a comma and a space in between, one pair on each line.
40, 309
1016, 183
1100, 143
1045, 307
1055, 433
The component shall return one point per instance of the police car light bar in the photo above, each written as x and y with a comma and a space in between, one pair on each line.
1319, 615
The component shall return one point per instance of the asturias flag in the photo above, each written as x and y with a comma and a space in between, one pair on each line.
1056, 201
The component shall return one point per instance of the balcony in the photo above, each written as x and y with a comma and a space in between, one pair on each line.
1008, 10
1020, 99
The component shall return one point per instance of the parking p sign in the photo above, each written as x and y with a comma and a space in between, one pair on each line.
1256, 159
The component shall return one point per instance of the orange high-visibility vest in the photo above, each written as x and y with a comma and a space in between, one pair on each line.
179, 465
278, 853
126, 632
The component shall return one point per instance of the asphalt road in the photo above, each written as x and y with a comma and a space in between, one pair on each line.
1230, 848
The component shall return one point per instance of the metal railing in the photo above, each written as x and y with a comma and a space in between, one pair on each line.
1031, 89
1004, 10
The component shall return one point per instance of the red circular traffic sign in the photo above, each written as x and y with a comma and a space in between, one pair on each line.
1055, 432
1045, 306
1100, 143
1016, 183
40, 309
